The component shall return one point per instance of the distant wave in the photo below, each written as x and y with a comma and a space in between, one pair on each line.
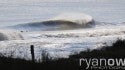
62, 22
9, 35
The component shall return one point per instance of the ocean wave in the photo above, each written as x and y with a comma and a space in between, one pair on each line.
9, 35
64, 21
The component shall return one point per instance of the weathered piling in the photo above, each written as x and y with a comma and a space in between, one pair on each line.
32, 53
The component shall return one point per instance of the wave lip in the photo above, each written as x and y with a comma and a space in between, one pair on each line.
78, 18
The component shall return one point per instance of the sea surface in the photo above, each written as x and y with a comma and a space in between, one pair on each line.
25, 22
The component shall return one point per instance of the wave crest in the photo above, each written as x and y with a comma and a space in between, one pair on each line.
78, 18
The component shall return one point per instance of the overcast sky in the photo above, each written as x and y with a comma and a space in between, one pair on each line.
25, 1
43, 0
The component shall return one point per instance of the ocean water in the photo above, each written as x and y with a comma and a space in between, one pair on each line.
26, 11
37, 22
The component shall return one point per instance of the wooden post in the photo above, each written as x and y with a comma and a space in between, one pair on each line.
32, 53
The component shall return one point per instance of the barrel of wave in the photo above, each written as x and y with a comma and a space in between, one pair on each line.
78, 18
10, 35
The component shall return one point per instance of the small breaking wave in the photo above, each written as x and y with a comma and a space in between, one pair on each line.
9, 35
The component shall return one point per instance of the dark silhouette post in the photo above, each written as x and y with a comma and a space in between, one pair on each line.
32, 53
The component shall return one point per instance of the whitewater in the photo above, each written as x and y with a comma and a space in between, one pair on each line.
63, 33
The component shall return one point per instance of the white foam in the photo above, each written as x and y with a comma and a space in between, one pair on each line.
79, 18
61, 44
10, 35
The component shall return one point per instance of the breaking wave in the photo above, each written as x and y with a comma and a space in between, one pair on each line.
9, 35
62, 22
